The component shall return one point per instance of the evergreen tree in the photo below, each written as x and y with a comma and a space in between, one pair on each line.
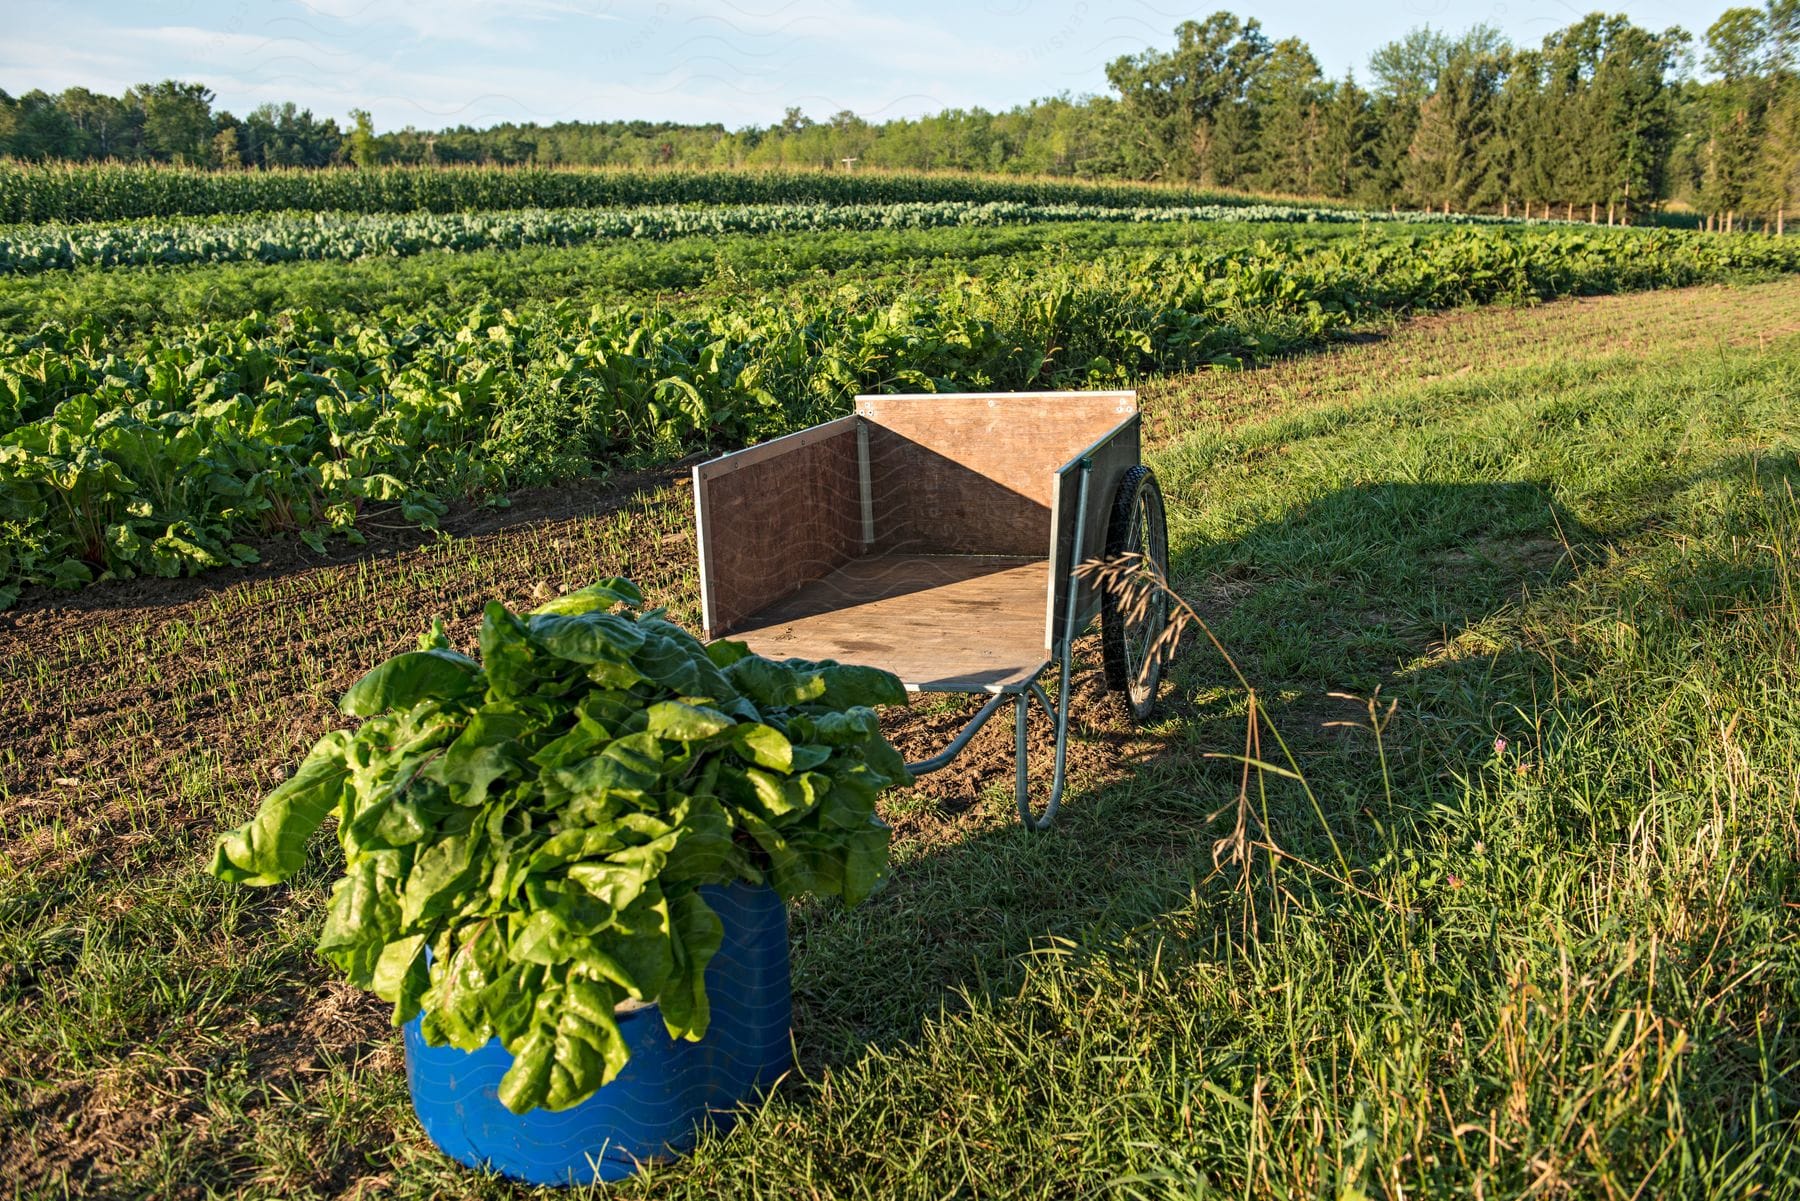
1445, 164
1775, 186
1735, 45
1686, 170
1407, 73
1226, 148
1510, 153
1347, 141
1288, 96
1565, 119
1632, 114
1396, 122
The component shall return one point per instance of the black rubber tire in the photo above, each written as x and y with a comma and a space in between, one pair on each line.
1138, 526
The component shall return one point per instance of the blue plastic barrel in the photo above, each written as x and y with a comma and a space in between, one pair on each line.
655, 1108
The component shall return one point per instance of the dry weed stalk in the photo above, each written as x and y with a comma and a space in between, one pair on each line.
1139, 588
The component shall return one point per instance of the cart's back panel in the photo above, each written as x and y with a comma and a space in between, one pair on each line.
975, 473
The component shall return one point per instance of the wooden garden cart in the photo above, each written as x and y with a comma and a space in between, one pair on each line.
938, 536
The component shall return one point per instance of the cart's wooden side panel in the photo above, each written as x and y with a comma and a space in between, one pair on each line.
1111, 457
973, 474
776, 517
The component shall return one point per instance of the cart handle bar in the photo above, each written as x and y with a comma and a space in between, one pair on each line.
943, 757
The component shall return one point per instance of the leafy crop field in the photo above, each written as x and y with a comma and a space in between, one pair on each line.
1514, 589
172, 453
110, 191
875, 264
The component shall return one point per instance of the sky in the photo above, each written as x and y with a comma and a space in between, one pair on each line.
437, 63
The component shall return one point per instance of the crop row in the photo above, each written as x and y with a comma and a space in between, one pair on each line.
293, 237
165, 458
114, 191
874, 262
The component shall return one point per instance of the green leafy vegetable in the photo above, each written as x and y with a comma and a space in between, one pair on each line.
271, 847
524, 836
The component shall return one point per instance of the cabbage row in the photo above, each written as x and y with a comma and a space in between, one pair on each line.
291, 237
173, 455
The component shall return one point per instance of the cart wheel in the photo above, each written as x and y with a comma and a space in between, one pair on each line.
1128, 639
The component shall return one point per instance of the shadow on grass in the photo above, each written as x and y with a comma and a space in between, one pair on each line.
1397, 586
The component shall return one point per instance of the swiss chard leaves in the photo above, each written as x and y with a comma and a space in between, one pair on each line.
407, 679
524, 836
272, 845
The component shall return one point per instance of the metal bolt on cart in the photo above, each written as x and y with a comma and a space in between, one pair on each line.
938, 536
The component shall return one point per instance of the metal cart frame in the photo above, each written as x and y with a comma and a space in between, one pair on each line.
919, 533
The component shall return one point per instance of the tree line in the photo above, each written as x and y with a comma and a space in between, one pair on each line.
1603, 120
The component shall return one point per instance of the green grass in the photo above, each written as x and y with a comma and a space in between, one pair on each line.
1565, 968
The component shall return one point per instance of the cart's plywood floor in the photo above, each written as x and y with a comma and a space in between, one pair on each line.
942, 623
